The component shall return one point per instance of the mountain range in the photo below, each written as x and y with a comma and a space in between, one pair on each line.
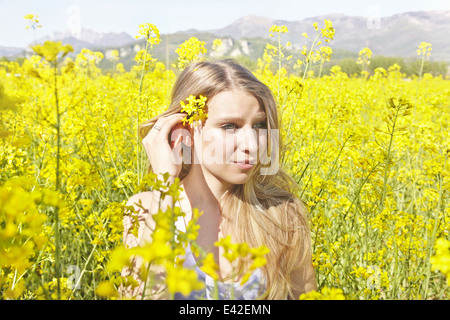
397, 35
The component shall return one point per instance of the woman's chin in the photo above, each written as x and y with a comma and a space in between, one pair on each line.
239, 176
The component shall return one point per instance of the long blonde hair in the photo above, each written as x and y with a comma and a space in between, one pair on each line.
265, 210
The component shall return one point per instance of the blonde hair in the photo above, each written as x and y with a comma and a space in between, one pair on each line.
265, 208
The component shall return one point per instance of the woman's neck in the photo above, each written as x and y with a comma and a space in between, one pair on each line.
202, 188
205, 196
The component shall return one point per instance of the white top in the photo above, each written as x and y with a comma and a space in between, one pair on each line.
251, 290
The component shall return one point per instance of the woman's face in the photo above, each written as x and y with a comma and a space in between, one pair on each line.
233, 137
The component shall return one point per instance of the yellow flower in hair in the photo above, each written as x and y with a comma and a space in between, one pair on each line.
194, 109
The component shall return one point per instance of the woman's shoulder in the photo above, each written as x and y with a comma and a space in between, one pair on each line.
141, 200
136, 211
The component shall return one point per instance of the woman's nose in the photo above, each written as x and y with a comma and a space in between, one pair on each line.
247, 140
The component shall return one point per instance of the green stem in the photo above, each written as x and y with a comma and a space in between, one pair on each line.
421, 66
58, 146
141, 83
388, 158
308, 58
433, 238
359, 191
321, 67
290, 124
85, 266
279, 67
143, 69
330, 172
314, 154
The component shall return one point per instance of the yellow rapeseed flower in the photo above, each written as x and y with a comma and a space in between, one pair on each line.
210, 267
182, 280
106, 289
217, 43
190, 50
424, 49
365, 54
441, 260
328, 31
194, 109
324, 294
278, 29
149, 32
50, 50
33, 21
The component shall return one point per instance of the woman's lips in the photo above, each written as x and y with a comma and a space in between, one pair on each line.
244, 165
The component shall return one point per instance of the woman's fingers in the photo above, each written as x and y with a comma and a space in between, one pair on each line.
161, 128
165, 124
157, 146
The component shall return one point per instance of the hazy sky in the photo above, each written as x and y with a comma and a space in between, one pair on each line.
176, 15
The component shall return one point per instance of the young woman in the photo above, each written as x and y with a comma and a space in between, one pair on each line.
241, 195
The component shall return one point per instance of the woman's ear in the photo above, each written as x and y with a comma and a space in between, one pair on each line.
188, 138
180, 133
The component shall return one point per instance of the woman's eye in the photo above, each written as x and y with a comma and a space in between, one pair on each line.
261, 125
229, 126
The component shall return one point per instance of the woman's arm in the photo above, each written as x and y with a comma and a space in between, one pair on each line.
153, 206
163, 159
145, 205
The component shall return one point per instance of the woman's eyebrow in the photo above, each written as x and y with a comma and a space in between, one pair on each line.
259, 117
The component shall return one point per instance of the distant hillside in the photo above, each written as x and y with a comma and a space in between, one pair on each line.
395, 36
90, 39
86, 38
10, 51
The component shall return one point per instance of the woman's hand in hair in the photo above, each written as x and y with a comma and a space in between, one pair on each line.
164, 155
